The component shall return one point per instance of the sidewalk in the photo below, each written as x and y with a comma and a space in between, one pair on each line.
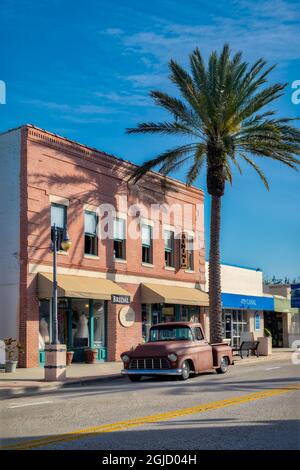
278, 354
32, 380
29, 381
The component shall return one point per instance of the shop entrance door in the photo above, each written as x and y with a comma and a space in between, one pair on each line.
228, 325
274, 323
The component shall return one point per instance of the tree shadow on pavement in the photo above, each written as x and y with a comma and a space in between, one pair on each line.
191, 435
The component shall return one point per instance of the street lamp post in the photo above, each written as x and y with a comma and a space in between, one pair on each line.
54, 288
55, 362
65, 245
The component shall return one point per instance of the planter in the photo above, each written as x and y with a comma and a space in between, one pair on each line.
11, 366
90, 356
265, 346
69, 357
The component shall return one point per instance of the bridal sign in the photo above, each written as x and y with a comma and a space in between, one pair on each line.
120, 299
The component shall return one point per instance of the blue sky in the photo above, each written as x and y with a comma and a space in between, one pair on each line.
84, 70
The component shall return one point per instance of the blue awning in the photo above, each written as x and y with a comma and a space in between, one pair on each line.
250, 302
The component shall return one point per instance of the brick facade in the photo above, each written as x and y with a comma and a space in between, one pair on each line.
54, 166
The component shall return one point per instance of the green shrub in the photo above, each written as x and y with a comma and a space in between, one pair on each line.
267, 332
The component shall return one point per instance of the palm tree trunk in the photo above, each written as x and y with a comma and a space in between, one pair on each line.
215, 302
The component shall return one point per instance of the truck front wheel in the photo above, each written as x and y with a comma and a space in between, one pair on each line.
186, 370
223, 366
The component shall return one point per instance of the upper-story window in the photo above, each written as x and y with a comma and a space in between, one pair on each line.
147, 251
190, 252
90, 233
169, 248
119, 238
59, 219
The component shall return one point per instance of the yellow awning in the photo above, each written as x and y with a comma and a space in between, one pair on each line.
157, 293
78, 286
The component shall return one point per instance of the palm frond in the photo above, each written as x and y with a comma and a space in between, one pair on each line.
199, 159
177, 108
166, 128
257, 169
166, 159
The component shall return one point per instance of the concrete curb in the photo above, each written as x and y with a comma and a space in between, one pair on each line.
11, 392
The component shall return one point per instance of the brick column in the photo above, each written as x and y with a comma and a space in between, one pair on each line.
120, 338
29, 321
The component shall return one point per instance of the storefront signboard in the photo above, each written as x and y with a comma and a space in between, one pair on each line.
120, 299
295, 295
183, 253
251, 302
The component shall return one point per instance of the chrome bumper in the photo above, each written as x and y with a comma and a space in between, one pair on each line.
151, 371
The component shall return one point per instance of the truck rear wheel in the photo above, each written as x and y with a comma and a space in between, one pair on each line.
223, 366
186, 370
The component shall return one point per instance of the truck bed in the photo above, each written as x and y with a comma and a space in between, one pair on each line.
220, 350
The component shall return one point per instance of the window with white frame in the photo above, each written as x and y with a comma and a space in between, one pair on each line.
147, 251
169, 248
119, 238
90, 233
59, 219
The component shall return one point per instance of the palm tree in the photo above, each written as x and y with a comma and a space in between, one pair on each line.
224, 111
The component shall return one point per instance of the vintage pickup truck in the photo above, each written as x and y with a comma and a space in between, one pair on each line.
177, 348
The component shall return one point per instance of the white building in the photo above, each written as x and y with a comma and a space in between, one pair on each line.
243, 302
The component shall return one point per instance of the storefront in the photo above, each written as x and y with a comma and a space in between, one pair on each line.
164, 303
283, 322
82, 313
243, 315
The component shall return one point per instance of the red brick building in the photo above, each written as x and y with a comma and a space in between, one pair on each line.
126, 241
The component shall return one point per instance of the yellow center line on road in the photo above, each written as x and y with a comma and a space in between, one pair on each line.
122, 425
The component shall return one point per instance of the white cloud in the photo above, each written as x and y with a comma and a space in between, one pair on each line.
68, 108
113, 31
78, 114
268, 29
147, 80
279, 9
84, 120
125, 99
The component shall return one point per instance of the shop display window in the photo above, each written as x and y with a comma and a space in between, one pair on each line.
99, 323
80, 321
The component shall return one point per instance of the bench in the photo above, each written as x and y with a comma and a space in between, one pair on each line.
249, 346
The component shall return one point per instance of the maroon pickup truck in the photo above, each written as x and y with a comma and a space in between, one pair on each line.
177, 348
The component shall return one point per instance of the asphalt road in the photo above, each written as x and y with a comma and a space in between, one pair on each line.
250, 407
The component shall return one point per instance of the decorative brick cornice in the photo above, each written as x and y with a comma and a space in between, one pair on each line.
49, 139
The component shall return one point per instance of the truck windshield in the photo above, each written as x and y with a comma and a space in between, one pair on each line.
170, 333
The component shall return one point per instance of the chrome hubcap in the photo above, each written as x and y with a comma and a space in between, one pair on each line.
185, 371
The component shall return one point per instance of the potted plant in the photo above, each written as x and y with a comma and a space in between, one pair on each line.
12, 350
90, 355
69, 357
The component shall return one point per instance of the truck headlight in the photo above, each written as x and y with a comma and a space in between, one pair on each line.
172, 357
125, 358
